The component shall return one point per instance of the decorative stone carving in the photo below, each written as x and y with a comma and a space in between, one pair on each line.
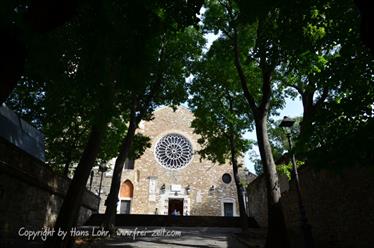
173, 151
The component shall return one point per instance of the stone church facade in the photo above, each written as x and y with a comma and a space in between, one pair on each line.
170, 177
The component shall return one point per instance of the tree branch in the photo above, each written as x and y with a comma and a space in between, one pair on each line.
227, 33
297, 88
155, 89
242, 77
266, 90
323, 97
266, 69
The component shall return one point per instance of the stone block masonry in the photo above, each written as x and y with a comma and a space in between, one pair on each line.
31, 195
21, 134
339, 206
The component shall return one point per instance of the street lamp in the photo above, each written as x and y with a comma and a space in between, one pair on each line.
188, 189
102, 168
308, 238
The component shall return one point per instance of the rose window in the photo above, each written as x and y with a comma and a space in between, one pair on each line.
226, 178
173, 151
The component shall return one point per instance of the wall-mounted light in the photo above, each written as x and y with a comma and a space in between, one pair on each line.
188, 189
211, 190
162, 189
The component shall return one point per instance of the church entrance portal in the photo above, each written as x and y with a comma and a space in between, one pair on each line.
177, 205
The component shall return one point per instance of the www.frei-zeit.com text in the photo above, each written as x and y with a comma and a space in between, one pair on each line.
96, 232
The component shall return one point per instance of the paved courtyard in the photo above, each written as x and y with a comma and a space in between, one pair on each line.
171, 237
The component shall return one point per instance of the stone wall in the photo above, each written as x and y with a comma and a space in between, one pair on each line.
21, 134
31, 194
339, 206
257, 198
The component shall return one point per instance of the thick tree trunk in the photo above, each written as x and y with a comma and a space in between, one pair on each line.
310, 107
112, 200
277, 232
234, 162
308, 113
69, 211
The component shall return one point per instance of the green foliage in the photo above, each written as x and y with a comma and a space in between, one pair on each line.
342, 67
278, 136
218, 105
95, 63
64, 124
342, 127
28, 99
258, 47
109, 52
140, 144
178, 51
279, 143
286, 169
324, 61
257, 9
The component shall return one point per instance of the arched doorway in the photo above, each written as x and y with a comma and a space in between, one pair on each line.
125, 196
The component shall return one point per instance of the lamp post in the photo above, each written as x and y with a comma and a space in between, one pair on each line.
308, 238
91, 179
102, 168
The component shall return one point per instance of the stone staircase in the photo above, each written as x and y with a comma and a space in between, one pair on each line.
169, 220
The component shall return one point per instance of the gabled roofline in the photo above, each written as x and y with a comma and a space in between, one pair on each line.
179, 106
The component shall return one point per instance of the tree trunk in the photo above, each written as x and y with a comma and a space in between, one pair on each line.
69, 212
112, 200
234, 162
308, 113
277, 232
310, 107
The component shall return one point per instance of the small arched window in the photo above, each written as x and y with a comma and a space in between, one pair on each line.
127, 189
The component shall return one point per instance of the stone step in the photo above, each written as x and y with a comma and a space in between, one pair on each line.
256, 233
169, 220
253, 237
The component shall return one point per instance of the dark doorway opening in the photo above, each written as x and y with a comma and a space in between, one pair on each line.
228, 209
125, 207
175, 206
